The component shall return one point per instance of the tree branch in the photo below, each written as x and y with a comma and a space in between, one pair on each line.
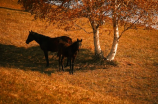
83, 29
129, 26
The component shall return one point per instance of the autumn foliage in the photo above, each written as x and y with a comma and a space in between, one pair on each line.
122, 12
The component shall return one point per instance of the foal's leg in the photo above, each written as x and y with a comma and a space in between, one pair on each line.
68, 59
46, 57
62, 62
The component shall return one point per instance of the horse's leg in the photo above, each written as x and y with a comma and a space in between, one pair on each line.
73, 59
46, 57
67, 62
59, 61
70, 63
62, 62
68, 59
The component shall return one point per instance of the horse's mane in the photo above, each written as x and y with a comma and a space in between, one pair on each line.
39, 35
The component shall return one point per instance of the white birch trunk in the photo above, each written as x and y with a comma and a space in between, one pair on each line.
95, 26
97, 47
113, 51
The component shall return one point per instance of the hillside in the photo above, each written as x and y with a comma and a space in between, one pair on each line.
130, 79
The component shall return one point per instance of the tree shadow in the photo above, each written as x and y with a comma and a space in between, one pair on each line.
33, 59
86, 60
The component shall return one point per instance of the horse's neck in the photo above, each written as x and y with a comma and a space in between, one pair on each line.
75, 46
39, 38
36, 38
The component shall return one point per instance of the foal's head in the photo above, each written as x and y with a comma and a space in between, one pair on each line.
30, 37
79, 43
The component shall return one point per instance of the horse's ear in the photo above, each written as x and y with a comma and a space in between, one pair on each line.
79, 40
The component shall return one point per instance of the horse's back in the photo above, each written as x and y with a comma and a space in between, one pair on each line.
66, 39
63, 44
55, 42
63, 47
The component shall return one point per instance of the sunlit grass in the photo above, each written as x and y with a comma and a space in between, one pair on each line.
130, 78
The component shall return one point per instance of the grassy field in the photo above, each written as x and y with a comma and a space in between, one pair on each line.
131, 79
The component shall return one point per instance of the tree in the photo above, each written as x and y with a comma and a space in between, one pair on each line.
130, 12
123, 13
68, 10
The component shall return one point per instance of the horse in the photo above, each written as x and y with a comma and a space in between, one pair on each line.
70, 51
46, 43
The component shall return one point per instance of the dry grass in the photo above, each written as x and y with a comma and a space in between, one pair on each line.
24, 78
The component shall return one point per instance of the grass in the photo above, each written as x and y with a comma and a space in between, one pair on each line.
130, 78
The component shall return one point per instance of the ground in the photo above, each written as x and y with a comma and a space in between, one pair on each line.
131, 78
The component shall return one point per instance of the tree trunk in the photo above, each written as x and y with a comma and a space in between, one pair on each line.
113, 51
97, 48
96, 42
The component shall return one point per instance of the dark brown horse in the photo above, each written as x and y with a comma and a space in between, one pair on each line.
46, 43
70, 51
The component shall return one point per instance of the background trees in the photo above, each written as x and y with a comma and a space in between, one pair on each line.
129, 12
123, 13
68, 10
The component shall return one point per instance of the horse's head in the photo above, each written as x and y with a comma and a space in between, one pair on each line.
30, 37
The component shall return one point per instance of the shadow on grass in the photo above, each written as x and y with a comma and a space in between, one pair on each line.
33, 59
86, 60
26, 59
